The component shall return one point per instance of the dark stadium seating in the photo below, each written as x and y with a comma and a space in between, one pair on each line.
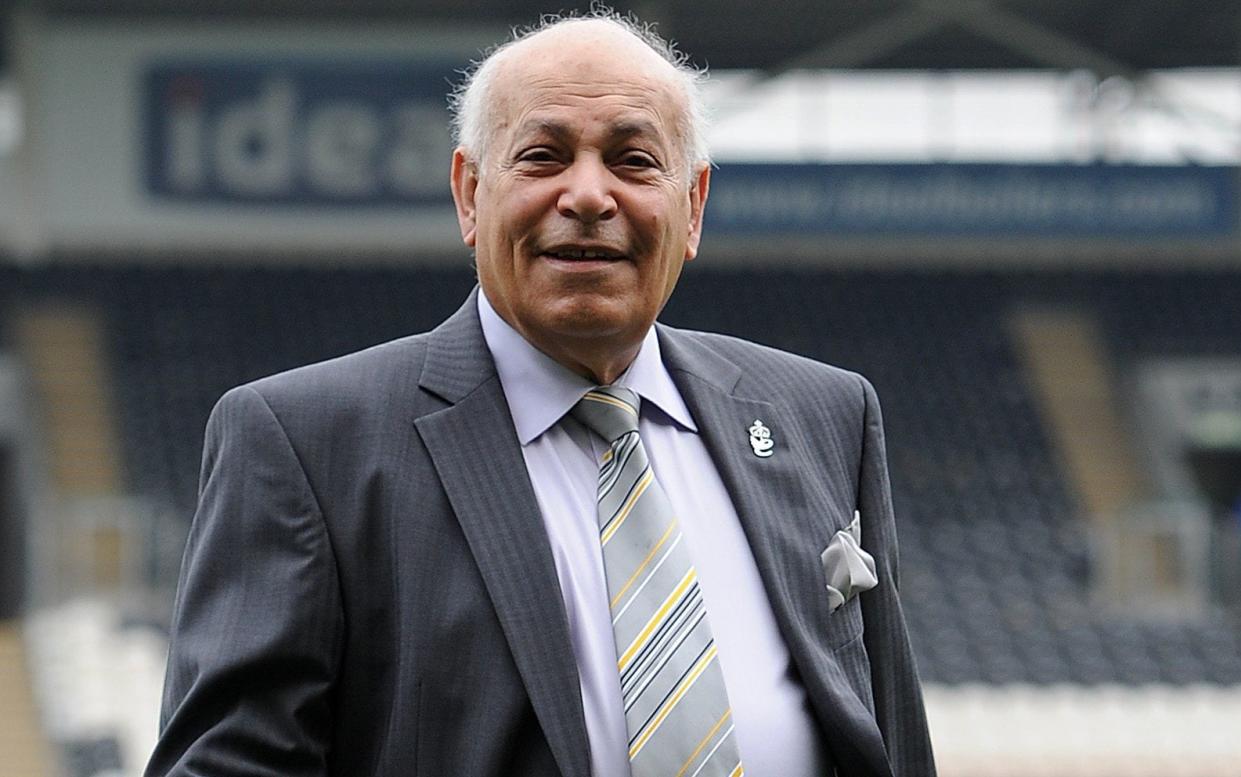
995, 561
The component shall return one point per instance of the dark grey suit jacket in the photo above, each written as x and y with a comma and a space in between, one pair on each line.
368, 588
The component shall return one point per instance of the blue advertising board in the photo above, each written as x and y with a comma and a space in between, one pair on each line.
374, 134
983, 200
286, 132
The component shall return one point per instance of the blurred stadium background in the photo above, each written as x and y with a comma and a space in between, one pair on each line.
1019, 218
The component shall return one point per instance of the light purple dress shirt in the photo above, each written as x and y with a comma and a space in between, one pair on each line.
774, 725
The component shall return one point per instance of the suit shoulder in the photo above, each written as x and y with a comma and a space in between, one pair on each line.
343, 381
771, 371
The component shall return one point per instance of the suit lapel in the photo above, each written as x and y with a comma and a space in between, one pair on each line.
478, 458
788, 520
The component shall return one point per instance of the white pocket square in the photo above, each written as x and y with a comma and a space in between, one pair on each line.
849, 569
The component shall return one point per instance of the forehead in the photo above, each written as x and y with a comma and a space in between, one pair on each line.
606, 76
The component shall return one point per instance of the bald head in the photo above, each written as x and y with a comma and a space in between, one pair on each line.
603, 48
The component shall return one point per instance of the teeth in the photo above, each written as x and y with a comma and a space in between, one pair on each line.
576, 254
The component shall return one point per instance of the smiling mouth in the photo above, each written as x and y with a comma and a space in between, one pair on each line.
578, 254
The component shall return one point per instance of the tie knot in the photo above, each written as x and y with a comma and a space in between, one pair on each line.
609, 411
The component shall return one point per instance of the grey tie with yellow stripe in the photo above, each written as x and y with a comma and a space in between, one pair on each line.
676, 705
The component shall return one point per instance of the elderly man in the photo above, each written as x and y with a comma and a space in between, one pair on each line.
551, 537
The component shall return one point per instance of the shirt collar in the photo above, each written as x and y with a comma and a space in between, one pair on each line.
540, 391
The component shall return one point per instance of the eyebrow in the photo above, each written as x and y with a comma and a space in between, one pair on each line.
618, 130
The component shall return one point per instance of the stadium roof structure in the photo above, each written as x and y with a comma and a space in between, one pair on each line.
1108, 37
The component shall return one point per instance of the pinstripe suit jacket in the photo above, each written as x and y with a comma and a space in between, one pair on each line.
368, 588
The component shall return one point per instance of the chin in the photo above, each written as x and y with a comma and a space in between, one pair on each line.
591, 319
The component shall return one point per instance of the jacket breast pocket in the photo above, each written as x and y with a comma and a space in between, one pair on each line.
844, 624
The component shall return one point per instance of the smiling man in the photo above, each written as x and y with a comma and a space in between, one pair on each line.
551, 537
582, 198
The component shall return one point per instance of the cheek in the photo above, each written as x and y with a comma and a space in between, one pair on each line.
525, 206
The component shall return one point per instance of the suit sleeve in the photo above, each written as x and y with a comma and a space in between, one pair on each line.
258, 625
894, 677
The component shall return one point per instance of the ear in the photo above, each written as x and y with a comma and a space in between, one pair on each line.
464, 187
697, 203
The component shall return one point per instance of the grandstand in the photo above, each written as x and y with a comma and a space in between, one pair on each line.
1058, 391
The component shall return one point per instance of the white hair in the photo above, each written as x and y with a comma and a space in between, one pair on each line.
470, 103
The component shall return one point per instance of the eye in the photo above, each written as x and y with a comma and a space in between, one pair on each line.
537, 155
638, 160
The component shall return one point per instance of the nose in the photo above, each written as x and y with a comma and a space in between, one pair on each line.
587, 193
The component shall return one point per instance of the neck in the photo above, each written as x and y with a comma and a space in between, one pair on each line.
601, 367
599, 357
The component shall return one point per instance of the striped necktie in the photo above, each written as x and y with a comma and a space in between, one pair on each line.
676, 705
